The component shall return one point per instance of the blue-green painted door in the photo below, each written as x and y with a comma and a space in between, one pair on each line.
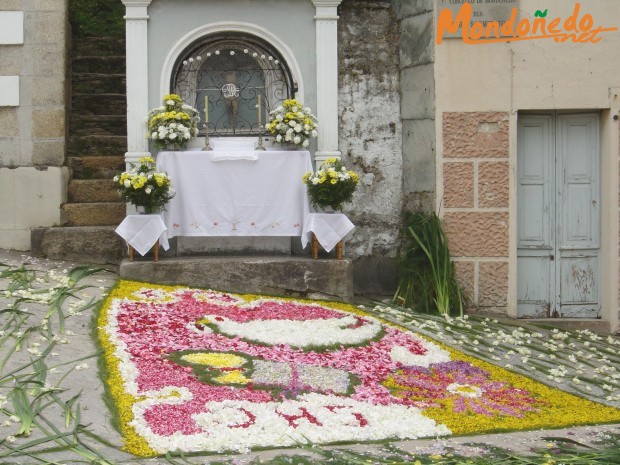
558, 216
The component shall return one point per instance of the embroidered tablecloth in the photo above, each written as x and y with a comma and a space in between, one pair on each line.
263, 197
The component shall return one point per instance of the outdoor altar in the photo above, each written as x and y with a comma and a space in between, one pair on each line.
221, 193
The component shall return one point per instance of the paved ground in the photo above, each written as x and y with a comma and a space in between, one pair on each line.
83, 378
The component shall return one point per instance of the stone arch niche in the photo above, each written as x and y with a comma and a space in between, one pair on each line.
232, 72
138, 51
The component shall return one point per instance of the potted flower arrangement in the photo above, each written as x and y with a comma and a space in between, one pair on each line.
172, 124
292, 123
144, 187
331, 185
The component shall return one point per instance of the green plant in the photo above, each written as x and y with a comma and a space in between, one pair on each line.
427, 278
97, 17
33, 405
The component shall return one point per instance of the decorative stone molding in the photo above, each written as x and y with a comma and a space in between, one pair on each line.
226, 26
136, 26
326, 21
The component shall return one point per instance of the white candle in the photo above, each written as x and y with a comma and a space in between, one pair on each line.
206, 108
259, 117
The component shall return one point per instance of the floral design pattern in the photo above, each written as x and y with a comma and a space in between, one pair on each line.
190, 369
462, 387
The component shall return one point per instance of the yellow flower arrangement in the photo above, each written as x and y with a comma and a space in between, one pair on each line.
292, 123
143, 186
174, 123
331, 185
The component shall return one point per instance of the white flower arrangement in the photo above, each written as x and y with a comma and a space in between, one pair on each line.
143, 186
174, 123
331, 185
292, 123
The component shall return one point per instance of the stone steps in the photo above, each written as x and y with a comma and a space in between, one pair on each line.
110, 64
94, 213
97, 125
87, 145
92, 191
94, 46
95, 147
99, 104
84, 244
96, 167
97, 83
298, 276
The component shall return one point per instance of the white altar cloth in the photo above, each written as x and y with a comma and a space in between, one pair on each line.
265, 197
329, 229
142, 231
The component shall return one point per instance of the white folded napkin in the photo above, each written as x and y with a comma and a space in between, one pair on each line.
329, 229
226, 144
142, 231
217, 155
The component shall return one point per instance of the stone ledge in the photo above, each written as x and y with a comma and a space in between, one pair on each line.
88, 244
292, 276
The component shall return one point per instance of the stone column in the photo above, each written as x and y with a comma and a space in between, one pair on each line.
136, 25
326, 19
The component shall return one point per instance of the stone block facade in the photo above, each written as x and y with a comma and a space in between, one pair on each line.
417, 102
475, 204
32, 126
40, 63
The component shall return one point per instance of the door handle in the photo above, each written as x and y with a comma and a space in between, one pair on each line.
552, 257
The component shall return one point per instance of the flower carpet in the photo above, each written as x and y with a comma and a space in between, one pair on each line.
195, 370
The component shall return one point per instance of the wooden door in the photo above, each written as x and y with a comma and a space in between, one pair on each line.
558, 216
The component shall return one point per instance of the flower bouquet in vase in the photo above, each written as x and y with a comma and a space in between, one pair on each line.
144, 187
173, 124
332, 185
292, 123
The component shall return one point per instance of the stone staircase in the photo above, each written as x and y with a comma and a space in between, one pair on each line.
96, 145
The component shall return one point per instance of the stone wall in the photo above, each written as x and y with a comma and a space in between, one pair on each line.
475, 204
415, 23
32, 121
370, 137
35, 133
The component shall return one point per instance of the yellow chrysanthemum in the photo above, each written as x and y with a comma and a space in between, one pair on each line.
232, 377
216, 360
138, 182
